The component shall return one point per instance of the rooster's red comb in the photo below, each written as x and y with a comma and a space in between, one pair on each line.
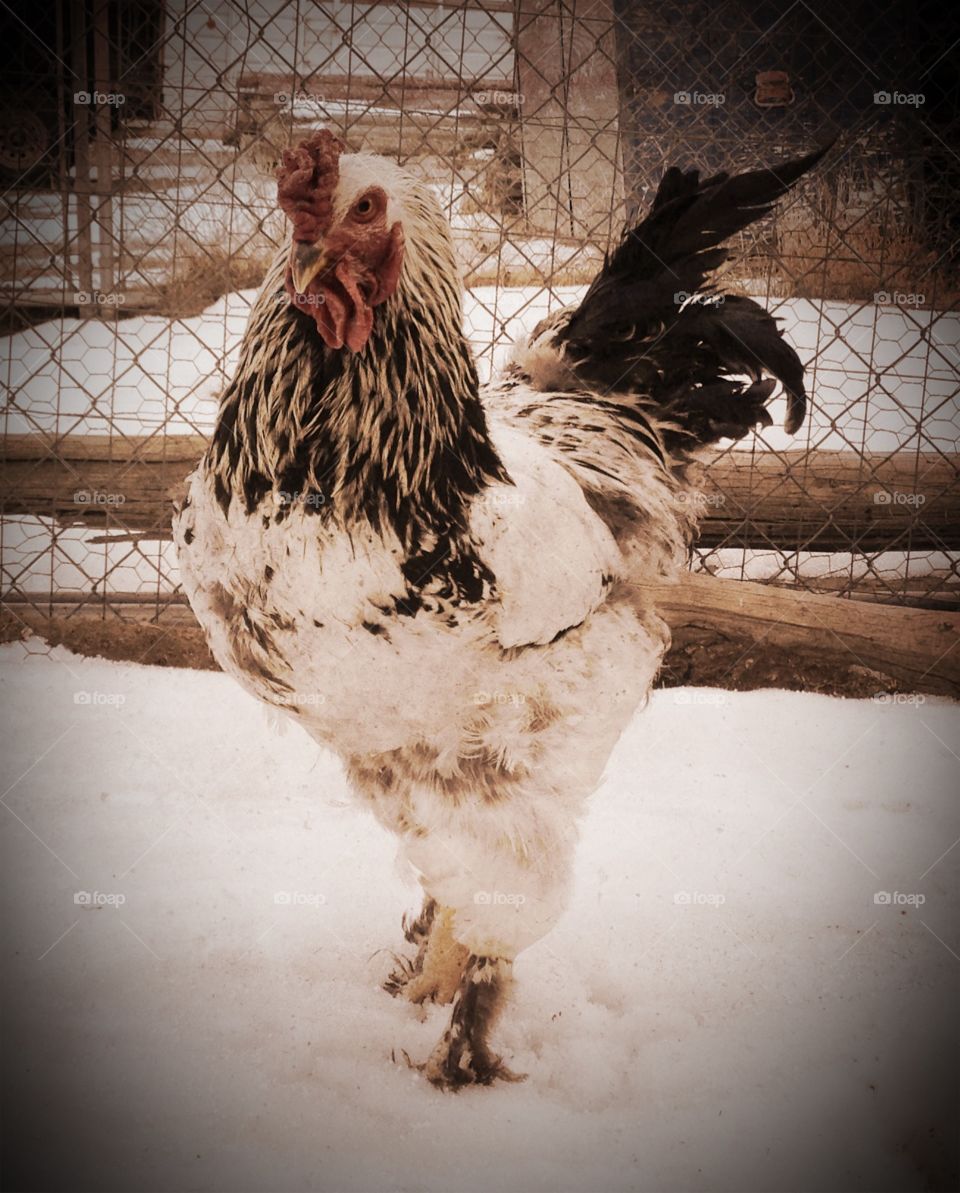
306, 181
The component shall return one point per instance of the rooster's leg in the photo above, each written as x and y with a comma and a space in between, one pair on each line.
435, 973
462, 1056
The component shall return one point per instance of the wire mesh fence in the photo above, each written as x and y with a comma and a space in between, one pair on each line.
138, 141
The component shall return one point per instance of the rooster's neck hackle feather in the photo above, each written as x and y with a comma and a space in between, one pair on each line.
394, 434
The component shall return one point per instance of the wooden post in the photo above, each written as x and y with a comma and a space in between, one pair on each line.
103, 160
82, 182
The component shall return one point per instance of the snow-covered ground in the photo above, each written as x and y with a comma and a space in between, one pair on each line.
725, 1006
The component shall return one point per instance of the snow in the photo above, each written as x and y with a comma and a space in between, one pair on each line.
723, 1007
146, 372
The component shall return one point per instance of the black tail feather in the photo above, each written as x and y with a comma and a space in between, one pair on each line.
744, 338
636, 323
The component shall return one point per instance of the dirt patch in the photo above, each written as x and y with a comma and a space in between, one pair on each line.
739, 665
201, 279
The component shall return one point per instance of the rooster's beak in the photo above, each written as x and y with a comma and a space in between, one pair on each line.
306, 261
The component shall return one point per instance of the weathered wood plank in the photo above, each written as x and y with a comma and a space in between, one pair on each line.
823, 501
916, 647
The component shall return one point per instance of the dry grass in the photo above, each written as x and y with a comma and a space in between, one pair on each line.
854, 263
574, 274
203, 277
841, 249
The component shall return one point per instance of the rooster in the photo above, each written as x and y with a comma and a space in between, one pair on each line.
441, 581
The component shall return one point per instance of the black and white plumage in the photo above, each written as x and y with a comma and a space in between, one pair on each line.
438, 580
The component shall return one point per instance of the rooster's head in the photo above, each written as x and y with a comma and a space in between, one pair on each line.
347, 248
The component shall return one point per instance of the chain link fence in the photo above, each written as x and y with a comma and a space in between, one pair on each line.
138, 141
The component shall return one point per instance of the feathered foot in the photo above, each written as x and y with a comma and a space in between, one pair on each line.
462, 1056
436, 972
415, 932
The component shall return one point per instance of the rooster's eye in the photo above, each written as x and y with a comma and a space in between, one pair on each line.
363, 207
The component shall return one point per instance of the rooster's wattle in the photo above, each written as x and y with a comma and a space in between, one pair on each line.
439, 580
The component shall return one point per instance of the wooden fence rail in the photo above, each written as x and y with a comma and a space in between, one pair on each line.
822, 501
